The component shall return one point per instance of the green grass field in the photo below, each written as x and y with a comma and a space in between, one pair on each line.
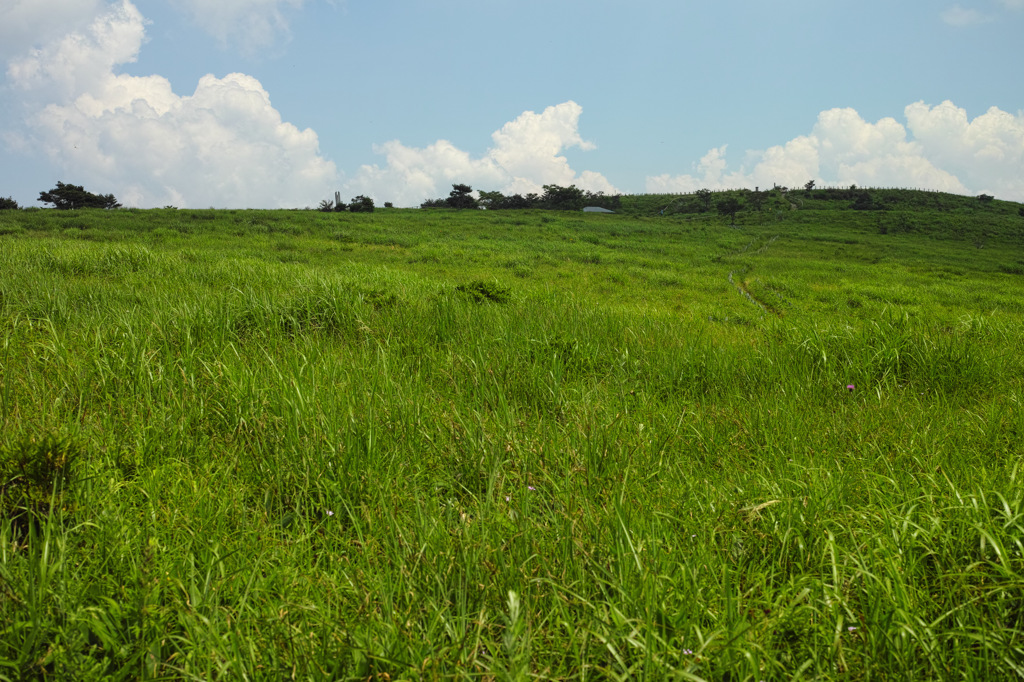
514, 445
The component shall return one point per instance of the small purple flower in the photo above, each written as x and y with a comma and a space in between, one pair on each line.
850, 387
530, 487
330, 513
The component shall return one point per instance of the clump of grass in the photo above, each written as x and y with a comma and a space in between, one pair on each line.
35, 472
485, 292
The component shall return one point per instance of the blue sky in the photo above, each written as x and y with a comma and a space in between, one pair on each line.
278, 103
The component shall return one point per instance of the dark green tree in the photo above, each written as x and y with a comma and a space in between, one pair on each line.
8, 204
569, 198
705, 196
361, 204
491, 200
67, 197
518, 201
611, 202
461, 197
729, 206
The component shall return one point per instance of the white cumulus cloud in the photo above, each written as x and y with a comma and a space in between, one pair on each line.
961, 16
223, 145
81, 60
526, 154
32, 23
249, 24
986, 153
938, 148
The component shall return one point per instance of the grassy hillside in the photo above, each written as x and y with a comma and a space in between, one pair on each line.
500, 445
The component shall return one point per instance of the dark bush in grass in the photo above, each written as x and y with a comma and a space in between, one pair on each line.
864, 202
485, 292
34, 473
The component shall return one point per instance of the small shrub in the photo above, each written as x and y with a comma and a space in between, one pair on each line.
483, 292
33, 475
8, 204
863, 201
380, 299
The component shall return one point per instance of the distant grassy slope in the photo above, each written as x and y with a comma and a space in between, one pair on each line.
628, 260
832, 200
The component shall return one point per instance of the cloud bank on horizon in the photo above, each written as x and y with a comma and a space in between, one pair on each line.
225, 144
525, 156
948, 152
